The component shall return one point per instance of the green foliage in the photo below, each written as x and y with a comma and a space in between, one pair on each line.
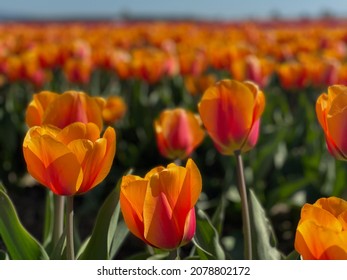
207, 239
19, 243
106, 237
263, 237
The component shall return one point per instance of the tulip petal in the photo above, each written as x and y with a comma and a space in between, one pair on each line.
160, 227
333, 205
192, 186
337, 123
317, 242
73, 107
98, 160
252, 138
52, 163
188, 195
322, 109
64, 175
189, 227
132, 198
196, 130
36, 109
154, 171
170, 182
80, 148
320, 216
79, 130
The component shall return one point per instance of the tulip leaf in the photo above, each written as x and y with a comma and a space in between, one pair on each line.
98, 246
18, 241
263, 237
206, 239
120, 234
294, 255
219, 215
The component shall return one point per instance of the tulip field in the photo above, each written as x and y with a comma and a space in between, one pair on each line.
173, 140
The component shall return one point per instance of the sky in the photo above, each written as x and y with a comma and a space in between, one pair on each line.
215, 9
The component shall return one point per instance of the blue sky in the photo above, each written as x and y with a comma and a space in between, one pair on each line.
222, 9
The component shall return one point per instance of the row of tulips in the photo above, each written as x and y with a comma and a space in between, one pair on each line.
152, 51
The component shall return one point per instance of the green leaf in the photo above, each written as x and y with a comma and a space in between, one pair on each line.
58, 253
99, 244
263, 237
120, 234
219, 215
18, 241
294, 255
206, 239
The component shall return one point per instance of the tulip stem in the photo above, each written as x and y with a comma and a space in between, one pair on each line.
174, 254
69, 228
244, 206
58, 218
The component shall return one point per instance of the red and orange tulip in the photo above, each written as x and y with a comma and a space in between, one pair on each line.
322, 230
230, 111
159, 208
49, 108
332, 115
178, 133
71, 160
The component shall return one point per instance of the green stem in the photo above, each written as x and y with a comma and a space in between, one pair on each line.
58, 218
244, 205
69, 228
174, 254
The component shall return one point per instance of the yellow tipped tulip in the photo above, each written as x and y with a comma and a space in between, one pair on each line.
159, 208
49, 108
178, 133
331, 112
230, 111
71, 160
322, 230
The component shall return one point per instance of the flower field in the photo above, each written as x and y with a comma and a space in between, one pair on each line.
146, 131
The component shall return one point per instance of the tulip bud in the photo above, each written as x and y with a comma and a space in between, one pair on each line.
230, 111
178, 133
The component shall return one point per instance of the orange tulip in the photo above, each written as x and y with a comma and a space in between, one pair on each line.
159, 208
230, 111
71, 160
332, 115
178, 133
114, 109
322, 230
49, 108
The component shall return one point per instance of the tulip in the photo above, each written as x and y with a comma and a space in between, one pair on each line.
196, 85
114, 110
178, 133
71, 160
230, 111
49, 108
332, 114
159, 208
322, 230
